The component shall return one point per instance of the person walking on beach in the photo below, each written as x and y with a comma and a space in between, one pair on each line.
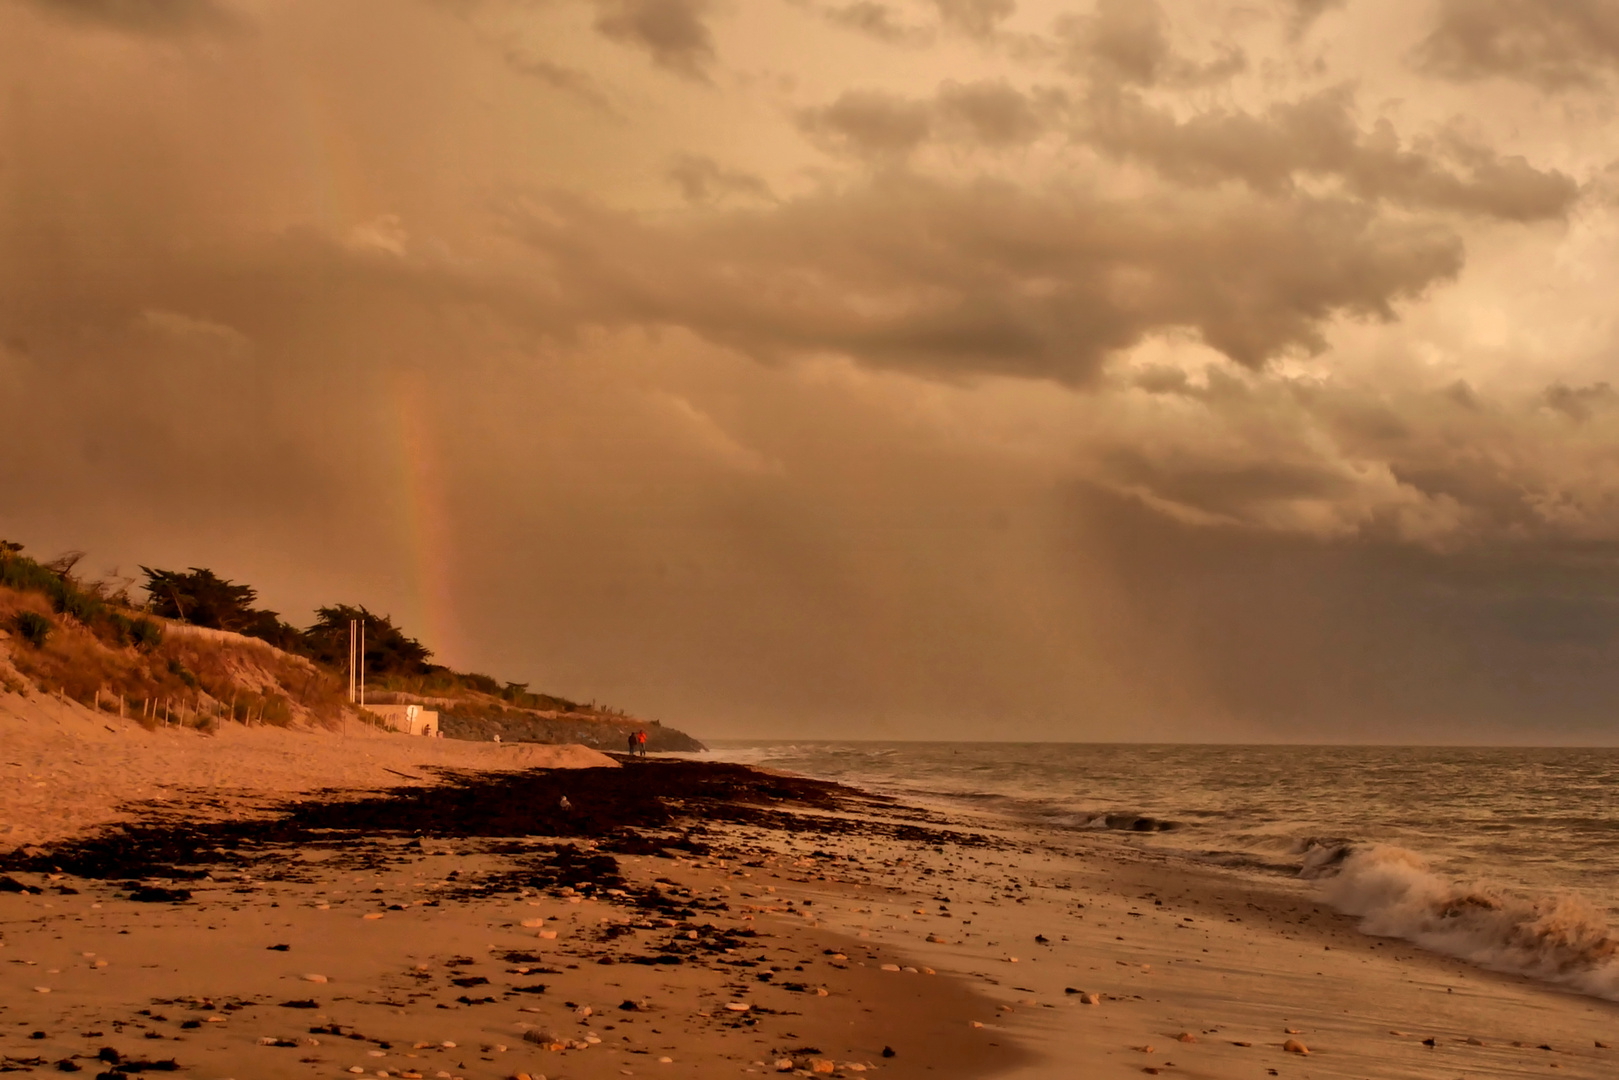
640, 742
634, 741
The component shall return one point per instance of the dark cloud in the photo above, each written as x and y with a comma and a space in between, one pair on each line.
703, 180
869, 123
674, 33
886, 127
985, 279
975, 18
1552, 45
875, 20
1318, 136
1304, 13
569, 80
143, 16
1126, 42
1579, 403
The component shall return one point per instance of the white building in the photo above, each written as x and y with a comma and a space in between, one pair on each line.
409, 719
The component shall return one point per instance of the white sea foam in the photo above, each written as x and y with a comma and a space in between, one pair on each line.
1558, 937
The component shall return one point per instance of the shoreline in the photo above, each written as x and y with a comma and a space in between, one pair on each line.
1194, 971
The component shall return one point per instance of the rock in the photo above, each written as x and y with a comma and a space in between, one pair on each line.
532, 923
1600, 1044
821, 1065
784, 1064
738, 1006
890, 967
1292, 1031
316, 978
1430, 1042
1293, 1046
1143, 1049
1186, 1036
1474, 1040
548, 934
372, 915
889, 1051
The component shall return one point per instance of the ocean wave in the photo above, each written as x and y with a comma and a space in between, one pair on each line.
1560, 938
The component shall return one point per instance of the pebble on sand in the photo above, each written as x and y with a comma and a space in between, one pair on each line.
738, 1006
1293, 1046
316, 978
1186, 1036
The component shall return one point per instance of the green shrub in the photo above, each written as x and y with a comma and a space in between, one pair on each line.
33, 628
146, 633
24, 574
73, 601
180, 670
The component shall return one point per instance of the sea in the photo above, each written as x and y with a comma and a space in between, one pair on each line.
1504, 857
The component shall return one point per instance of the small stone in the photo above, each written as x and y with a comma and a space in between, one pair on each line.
666, 1061
316, 978
820, 991
356, 1069
890, 967
889, 1051
1143, 1049
821, 1065
738, 1006
784, 1064
1293, 1046
548, 934
1186, 1036
372, 915
42, 989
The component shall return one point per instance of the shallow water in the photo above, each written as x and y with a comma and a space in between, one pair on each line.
1507, 857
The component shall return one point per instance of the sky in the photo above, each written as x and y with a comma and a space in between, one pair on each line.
1229, 370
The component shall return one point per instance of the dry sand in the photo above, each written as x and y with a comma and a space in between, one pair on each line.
65, 769
826, 925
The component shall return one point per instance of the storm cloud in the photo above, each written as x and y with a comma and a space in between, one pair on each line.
1113, 372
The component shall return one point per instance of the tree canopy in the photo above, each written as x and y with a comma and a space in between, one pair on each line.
388, 650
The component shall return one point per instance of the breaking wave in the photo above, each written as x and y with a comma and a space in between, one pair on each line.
1559, 938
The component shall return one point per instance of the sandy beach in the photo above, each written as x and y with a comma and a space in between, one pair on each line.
676, 919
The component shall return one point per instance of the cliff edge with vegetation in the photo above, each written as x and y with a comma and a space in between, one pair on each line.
195, 652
